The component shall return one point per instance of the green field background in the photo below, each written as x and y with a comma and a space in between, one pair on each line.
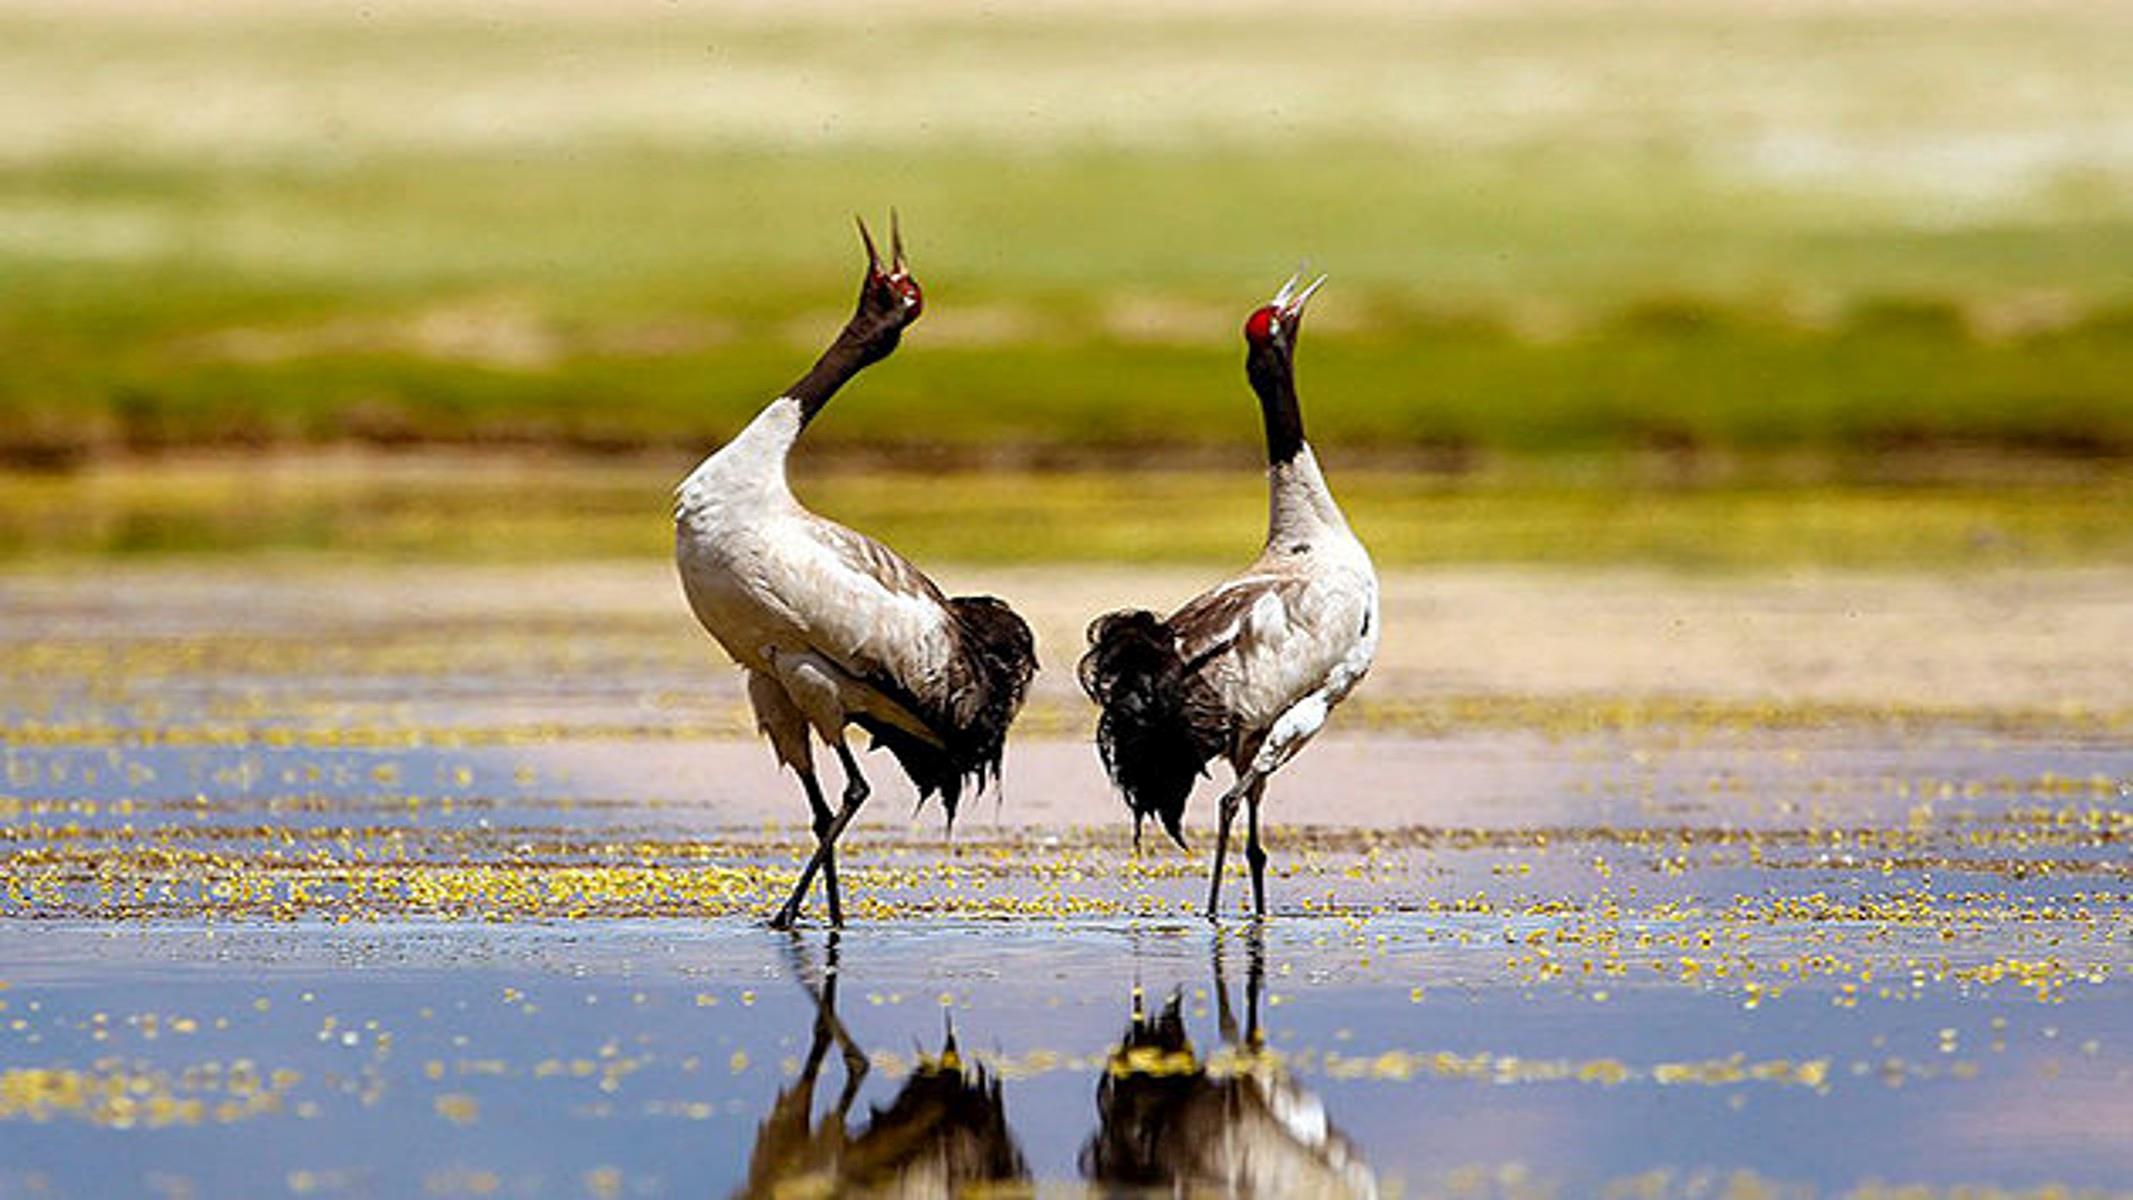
1578, 253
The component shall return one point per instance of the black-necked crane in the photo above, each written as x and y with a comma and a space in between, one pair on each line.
1249, 670
833, 628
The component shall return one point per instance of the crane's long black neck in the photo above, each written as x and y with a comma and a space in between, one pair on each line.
851, 353
1273, 376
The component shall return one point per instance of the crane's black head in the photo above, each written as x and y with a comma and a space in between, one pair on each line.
1270, 363
889, 298
1272, 327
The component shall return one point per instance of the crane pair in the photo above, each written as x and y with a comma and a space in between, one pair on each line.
835, 630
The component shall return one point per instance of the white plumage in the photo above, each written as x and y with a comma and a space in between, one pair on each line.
1307, 631
798, 599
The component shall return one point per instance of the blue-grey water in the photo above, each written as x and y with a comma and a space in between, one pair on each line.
279, 918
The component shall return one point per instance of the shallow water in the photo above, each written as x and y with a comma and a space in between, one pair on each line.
484, 918
636, 1057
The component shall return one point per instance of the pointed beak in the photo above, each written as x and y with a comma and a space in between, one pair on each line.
873, 255
1296, 306
1290, 302
896, 246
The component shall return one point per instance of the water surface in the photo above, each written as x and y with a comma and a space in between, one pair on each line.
407, 912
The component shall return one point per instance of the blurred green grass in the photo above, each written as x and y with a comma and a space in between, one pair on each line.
491, 509
1555, 231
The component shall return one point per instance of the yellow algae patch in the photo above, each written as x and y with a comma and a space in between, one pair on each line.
460, 1108
462, 1181
1386, 1066
1402, 1065
119, 1096
1152, 1060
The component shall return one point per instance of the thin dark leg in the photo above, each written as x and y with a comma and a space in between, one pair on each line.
823, 819
855, 794
1214, 881
1254, 853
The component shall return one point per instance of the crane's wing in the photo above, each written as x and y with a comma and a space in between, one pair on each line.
1244, 611
938, 679
867, 611
867, 558
881, 619
1266, 640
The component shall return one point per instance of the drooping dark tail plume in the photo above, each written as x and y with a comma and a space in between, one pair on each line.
995, 659
1160, 722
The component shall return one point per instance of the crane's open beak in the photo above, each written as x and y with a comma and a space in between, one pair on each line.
1289, 302
897, 267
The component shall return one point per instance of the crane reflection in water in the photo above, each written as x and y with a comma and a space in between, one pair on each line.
944, 1132
1168, 1120
1234, 1123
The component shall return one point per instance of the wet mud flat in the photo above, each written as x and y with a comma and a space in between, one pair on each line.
404, 910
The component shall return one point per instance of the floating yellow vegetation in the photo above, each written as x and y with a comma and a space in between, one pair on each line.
365, 872
460, 1108
1153, 1060
1483, 1067
1392, 1066
120, 1095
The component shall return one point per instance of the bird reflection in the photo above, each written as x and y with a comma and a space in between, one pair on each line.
945, 1131
1236, 1124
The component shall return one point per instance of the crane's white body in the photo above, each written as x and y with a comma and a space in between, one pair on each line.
1288, 639
799, 601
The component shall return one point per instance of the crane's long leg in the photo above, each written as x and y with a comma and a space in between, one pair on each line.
855, 794
1254, 853
817, 691
1254, 761
823, 819
1230, 800
779, 716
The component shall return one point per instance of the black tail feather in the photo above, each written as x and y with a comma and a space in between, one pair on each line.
1160, 722
998, 655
